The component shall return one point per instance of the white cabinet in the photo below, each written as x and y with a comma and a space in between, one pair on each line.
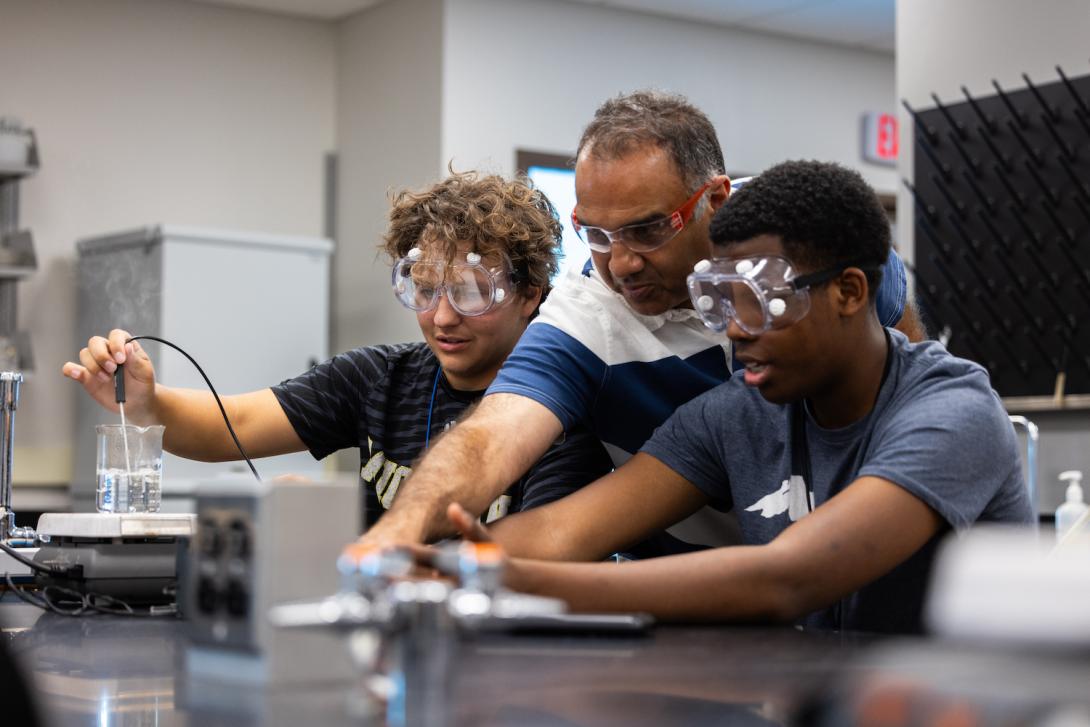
251, 308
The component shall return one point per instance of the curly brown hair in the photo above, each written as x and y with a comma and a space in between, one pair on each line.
493, 214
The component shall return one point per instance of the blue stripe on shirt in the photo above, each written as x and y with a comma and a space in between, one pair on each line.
642, 395
555, 370
623, 403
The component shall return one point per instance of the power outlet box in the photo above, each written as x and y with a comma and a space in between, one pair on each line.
257, 545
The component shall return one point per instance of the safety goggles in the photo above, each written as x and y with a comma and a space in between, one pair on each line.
757, 293
642, 236
471, 288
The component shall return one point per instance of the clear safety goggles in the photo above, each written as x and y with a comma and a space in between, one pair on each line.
642, 236
471, 288
757, 293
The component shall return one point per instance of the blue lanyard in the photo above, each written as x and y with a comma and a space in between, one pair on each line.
431, 406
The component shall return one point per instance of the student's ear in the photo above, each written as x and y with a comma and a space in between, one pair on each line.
531, 299
853, 292
718, 194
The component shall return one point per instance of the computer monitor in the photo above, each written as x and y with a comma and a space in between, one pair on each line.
555, 176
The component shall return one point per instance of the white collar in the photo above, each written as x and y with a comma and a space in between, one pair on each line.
655, 322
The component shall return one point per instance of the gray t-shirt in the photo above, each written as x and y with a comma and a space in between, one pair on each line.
937, 429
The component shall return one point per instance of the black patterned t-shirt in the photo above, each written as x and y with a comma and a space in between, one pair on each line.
389, 401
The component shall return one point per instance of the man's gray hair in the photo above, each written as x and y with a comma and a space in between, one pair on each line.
668, 121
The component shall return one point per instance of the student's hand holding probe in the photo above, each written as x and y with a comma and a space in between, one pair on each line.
97, 363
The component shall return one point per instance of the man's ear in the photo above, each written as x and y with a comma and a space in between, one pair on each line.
853, 291
718, 194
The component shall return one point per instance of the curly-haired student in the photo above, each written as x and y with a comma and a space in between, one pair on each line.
472, 257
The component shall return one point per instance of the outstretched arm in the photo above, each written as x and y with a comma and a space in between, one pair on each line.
471, 464
853, 539
641, 497
194, 425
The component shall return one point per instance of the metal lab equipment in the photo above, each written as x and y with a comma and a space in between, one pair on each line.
18, 159
10, 382
1030, 462
132, 556
404, 634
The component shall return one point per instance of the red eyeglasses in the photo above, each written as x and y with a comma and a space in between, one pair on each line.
642, 236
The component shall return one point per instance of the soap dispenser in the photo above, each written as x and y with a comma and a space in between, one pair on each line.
1074, 506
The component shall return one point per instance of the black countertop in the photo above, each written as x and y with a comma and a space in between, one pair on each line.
107, 671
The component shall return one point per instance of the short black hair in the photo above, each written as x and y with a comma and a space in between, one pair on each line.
667, 121
824, 213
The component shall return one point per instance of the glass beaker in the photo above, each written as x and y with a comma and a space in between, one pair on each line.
129, 468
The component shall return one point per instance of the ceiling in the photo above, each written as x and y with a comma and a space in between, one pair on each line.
860, 23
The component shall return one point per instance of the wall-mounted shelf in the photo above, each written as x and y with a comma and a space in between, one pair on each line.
19, 158
18, 150
1023, 404
17, 258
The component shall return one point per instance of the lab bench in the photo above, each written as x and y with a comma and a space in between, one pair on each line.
106, 670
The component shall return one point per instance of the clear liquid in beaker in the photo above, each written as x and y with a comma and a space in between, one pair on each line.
107, 490
121, 491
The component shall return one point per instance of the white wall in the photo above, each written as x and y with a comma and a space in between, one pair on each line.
151, 111
942, 45
529, 74
389, 97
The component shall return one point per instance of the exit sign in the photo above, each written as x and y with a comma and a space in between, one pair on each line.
880, 138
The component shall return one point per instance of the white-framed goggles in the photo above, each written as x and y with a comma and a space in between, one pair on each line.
757, 293
471, 288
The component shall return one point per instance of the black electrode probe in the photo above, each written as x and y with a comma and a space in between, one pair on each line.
119, 384
119, 393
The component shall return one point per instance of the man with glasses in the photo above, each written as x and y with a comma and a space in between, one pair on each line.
473, 256
619, 347
846, 450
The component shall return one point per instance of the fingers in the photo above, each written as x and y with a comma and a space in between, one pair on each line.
468, 526
389, 562
96, 359
135, 352
103, 355
117, 345
355, 552
74, 371
423, 560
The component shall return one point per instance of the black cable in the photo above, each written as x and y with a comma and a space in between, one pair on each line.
72, 603
211, 388
58, 603
23, 595
27, 561
94, 602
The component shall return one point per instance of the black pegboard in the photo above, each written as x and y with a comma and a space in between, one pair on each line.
1002, 229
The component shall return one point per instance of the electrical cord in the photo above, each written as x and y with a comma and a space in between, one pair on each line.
120, 387
28, 562
23, 595
68, 601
